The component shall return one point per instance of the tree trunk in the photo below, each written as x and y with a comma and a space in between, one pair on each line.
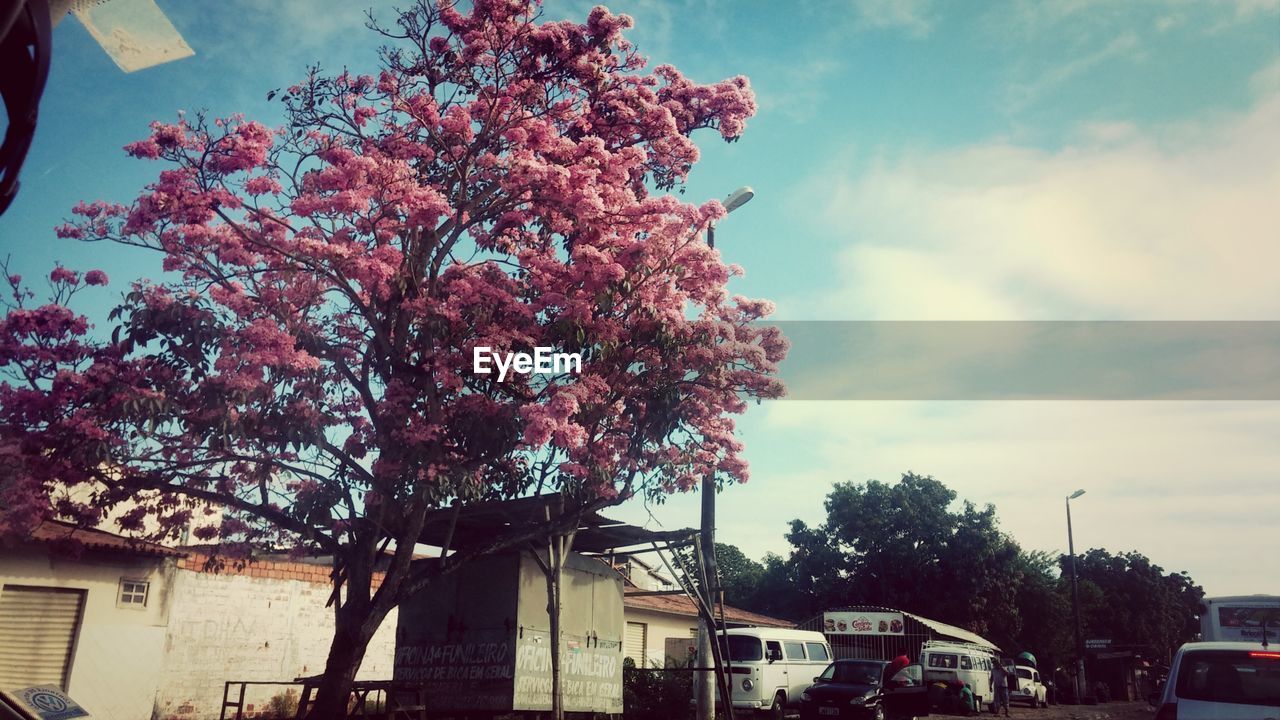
354, 628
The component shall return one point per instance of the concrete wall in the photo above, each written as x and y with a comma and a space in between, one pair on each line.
118, 656
660, 627
267, 622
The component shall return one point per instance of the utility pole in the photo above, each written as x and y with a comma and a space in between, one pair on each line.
1081, 685
704, 681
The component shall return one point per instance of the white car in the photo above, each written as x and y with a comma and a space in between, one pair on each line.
1030, 688
1210, 680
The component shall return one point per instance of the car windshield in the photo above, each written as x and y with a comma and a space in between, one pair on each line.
858, 673
744, 649
1024, 674
1231, 676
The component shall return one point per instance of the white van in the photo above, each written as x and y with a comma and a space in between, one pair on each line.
771, 667
968, 663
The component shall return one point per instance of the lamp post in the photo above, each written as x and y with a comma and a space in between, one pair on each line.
1075, 603
704, 679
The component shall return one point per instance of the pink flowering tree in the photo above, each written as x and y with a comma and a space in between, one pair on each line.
305, 365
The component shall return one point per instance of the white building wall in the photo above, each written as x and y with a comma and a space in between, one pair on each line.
116, 663
661, 626
239, 627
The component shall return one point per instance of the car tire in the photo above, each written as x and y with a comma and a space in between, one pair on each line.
879, 713
778, 710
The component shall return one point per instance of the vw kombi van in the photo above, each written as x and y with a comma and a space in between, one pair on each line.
966, 663
771, 667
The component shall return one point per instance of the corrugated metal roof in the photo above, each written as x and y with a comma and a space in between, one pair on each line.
954, 632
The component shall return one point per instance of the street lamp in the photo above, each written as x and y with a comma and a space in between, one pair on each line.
706, 688
1075, 603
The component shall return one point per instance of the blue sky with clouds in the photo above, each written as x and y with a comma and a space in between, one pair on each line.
918, 159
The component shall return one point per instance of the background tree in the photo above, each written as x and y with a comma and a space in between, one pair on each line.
740, 576
903, 545
1134, 602
305, 365
911, 545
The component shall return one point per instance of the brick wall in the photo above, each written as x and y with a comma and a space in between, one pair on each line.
267, 621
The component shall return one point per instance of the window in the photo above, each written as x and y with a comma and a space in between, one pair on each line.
817, 652
743, 648
829, 673
859, 672
795, 650
773, 649
133, 593
1024, 673
1230, 676
942, 660
966, 662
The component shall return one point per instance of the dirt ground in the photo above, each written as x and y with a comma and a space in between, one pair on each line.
1103, 711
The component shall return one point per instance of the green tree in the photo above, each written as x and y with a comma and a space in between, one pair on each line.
1137, 602
740, 576
906, 545
1045, 610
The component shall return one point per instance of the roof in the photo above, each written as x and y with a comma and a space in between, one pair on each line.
941, 628
682, 605
477, 523
54, 532
954, 632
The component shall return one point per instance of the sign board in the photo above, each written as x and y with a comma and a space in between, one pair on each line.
679, 651
1244, 624
863, 623
1097, 644
45, 703
590, 675
473, 675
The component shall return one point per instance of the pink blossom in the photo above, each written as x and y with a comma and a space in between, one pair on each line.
62, 275
325, 287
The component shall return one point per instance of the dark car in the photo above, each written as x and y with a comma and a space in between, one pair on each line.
858, 689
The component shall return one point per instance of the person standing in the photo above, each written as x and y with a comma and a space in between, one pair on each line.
1000, 688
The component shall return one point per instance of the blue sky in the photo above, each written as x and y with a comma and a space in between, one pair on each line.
1081, 160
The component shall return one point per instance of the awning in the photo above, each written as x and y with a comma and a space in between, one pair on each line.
952, 631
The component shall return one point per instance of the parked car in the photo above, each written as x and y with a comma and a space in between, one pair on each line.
1210, 680
772, 666
858, 689
1031, 689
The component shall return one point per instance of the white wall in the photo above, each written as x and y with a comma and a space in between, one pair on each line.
116, 665
236, 627
661, 626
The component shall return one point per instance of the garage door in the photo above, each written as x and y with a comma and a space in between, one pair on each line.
634, 645
37, 635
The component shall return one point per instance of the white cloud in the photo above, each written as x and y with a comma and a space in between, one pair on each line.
796, 89
1025, 93
915, 17
1177, 223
